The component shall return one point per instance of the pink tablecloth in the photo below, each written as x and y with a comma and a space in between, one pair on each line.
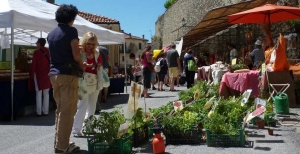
239, 82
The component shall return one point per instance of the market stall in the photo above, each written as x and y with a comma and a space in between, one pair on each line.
18, 23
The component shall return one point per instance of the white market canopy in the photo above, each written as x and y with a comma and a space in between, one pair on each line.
32, 19
24, 21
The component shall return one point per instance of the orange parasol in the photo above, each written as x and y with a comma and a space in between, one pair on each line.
265, 14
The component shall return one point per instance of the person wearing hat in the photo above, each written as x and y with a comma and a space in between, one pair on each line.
257, 54
39, 71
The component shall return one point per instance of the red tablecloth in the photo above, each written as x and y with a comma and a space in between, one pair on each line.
233, 84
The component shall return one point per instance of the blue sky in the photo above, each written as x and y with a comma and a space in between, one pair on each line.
137, 17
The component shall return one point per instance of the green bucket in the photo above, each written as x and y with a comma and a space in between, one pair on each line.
281, 103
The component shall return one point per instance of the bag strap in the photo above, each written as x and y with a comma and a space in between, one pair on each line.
44, 53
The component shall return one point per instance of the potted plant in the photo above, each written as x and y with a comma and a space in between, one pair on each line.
270, 130
260, 123
269, 118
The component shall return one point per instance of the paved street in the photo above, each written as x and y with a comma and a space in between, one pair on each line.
34, 135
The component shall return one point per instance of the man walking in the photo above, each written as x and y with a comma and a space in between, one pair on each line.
173, 64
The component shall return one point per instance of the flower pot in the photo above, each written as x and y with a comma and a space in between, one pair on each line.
260, 124
270, 131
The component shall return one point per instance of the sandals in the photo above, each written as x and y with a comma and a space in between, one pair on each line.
71, 149
172, 90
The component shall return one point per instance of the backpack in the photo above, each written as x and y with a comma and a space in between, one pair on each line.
157, 66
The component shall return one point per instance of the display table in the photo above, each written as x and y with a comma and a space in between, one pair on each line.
116, 85
204, 73
233, 84
22, 97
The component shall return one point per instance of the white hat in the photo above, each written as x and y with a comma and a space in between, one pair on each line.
258, 42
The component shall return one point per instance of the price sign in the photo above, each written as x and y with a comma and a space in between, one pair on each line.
177, 105
259, 102
233, 62
263, 68
255, 113
246, 95
5, 65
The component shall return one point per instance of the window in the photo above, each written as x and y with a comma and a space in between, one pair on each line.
123, 59
140, 46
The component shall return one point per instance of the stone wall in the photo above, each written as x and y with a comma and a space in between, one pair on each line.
168, 25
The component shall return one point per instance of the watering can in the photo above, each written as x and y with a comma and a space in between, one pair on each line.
281, 99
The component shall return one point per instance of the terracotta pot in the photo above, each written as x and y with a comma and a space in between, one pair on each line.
270, 131
260, 124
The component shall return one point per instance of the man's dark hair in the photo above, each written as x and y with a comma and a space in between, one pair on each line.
42, 41
231, 45
66, 13
173, 46
131, 55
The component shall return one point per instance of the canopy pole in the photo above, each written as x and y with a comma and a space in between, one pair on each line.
125, 66
12, 71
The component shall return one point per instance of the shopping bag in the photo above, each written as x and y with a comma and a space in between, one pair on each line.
192, 65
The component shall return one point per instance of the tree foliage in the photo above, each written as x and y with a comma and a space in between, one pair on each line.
169, 3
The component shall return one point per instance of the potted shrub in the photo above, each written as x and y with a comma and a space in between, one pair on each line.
260, 123
269, 118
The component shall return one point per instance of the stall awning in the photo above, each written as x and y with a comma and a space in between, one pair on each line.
216, 20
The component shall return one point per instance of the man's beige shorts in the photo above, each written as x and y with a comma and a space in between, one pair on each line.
173, 72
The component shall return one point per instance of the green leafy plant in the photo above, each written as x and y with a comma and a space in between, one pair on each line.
169, 3
293, 22
106, 126
181, 122
138, 120
237, 67
269, 116
217, 124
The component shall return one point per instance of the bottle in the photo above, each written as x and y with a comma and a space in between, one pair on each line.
158, 143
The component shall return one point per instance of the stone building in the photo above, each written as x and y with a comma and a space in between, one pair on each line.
169, 26
134, 44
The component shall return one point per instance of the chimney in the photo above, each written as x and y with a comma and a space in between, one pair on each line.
130, 35
51, 1
143, 37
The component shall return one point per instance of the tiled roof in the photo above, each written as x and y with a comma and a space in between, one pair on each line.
129, 36
97, 19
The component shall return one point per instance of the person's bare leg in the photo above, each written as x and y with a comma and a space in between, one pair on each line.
105, 90
161, 85
177, 82
99, 96
171, 83
146, 92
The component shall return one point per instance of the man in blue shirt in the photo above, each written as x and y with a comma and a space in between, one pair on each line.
64, 57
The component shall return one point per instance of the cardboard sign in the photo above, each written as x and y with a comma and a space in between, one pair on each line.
233, 62
257, 112
134, 99
177, 105
259, 102
246, 95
